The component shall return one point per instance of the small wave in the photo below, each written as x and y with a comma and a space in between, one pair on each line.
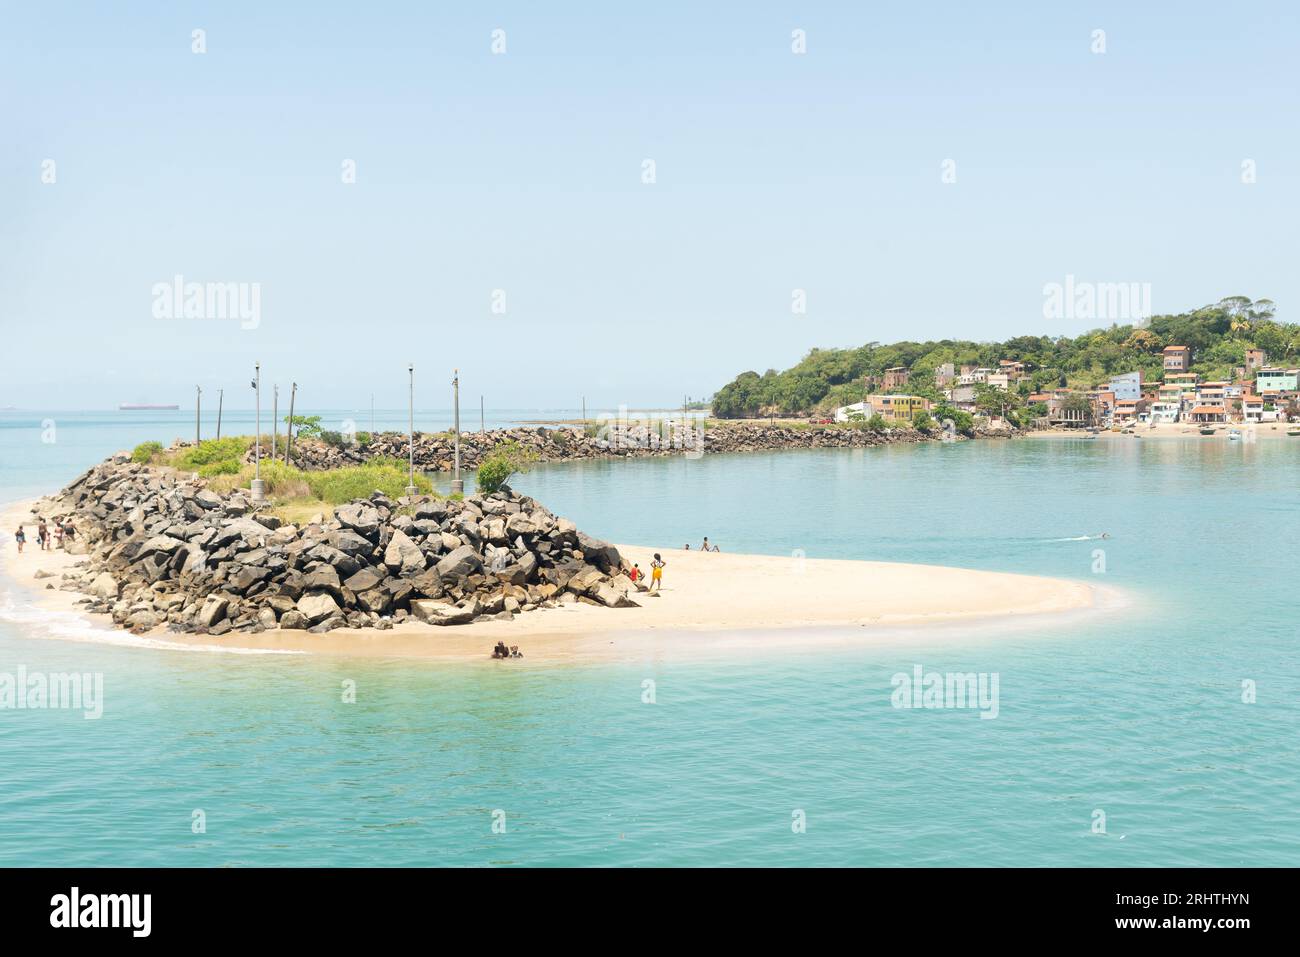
71, 626
1076, 538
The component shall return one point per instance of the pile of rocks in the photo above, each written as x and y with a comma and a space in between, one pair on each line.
435, 452
164, 549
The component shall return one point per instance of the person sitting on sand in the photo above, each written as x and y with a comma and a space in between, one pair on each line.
20, 537
515, 652
688, 546
501, 651
705, 547
656, 574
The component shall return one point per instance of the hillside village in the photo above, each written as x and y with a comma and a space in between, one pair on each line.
1257, 393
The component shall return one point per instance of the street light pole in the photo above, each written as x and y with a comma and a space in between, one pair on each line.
457, 483
258, 487
410, 425
198, 401
221, 397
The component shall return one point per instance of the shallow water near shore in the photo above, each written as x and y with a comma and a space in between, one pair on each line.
1136, 712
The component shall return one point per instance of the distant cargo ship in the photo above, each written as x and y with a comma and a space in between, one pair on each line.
142, 407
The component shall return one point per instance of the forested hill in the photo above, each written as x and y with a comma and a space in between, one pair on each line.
826, 378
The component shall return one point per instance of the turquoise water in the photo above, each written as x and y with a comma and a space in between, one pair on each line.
1135, 711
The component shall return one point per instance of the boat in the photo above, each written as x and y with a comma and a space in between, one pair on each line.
1293, 431
1234, 435
143, 407
1207, 430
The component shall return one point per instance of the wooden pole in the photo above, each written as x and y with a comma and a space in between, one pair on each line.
275, 422
288, 439
221, 396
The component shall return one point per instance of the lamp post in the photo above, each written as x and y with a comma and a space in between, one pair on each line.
258, 487
198, 400
410, 426
221, 397
457, 483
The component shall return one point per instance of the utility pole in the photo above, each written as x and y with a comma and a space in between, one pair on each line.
457, 483
288, 439
410, 428
258, 488
198, 400
275, 417
221, 395
482, 427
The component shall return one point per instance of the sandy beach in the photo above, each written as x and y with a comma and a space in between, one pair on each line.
1267, 431
706, 600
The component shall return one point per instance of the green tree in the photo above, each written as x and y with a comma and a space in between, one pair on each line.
497, 467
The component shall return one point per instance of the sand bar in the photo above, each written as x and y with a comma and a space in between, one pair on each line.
703, 594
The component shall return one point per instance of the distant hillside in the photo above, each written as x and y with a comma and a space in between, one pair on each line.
826, 378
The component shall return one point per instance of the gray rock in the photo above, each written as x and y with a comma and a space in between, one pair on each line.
317, 607
459, 564
293, 620
104, 586
402, 556
213, 611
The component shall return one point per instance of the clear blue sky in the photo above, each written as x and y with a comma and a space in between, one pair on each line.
523, 172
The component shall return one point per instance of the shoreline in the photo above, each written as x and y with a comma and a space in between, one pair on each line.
711, 602
1173, 430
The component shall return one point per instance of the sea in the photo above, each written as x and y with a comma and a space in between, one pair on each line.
1160, 729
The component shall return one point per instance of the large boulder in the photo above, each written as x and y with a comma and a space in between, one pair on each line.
361, 517
402, 556
104, 586
440, 613
459, 564
213, 610
317, 607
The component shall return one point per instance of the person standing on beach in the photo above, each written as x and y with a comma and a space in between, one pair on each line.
58, 534
20, 537
43, 536
656, 573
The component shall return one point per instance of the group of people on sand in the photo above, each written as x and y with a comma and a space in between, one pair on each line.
704, 547
501, 651
656, 576
45, 539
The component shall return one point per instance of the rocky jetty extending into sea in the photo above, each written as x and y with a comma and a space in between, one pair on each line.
162, 549
435, 452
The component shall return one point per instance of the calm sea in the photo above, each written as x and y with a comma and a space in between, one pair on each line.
1135, 713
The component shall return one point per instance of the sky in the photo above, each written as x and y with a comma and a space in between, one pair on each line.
516, 179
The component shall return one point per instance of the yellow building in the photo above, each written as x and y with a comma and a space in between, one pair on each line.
900, 407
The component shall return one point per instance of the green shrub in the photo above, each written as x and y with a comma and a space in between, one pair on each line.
145, 451
507, 459
336, 439
876, 423
923, 421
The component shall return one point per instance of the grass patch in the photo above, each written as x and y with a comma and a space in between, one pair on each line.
298, 496
213, 457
